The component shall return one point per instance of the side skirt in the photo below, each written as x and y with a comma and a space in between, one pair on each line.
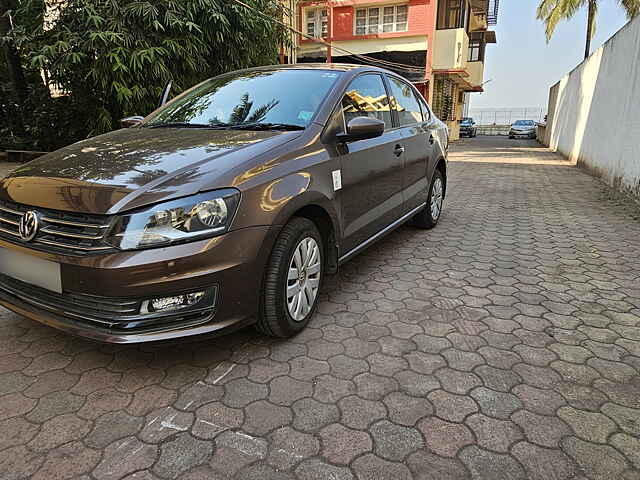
388, 229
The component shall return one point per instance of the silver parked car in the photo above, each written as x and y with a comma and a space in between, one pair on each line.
523, 129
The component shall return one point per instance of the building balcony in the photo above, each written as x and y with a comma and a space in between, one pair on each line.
476, 73
451, 50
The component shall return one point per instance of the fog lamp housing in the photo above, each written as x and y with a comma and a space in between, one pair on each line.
185, 301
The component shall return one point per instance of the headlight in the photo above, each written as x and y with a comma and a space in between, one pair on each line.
186, 219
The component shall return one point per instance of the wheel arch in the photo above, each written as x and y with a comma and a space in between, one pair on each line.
319, 209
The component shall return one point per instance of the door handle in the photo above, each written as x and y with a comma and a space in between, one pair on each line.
431, 139
399, 150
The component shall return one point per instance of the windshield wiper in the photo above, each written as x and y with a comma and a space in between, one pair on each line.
266, 126
186, 125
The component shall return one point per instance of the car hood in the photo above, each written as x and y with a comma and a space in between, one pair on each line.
133, 167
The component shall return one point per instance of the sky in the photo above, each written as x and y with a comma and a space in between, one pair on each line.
522, 66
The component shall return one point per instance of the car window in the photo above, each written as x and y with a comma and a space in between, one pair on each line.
404, 100
257, 96
367, 97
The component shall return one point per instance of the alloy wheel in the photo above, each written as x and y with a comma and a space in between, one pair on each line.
303, 279
436, 198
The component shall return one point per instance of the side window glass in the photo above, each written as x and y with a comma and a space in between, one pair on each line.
367, 97
405, 102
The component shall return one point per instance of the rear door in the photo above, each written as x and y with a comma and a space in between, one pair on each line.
372, 170
415, 125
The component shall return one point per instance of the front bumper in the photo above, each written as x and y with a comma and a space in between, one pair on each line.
523, 134
102, 294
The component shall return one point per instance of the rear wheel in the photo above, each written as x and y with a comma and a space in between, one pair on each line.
428, 218
292, 280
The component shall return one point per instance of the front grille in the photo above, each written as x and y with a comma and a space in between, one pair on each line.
59, 232
108, 313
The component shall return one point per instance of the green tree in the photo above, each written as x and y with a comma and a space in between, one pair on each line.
551, 12
111, 58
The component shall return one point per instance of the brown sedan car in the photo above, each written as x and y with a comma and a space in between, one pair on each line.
224, 207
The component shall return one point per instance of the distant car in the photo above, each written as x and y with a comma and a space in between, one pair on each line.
468, 128
523, 129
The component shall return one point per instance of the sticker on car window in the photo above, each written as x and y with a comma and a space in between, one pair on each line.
305, 116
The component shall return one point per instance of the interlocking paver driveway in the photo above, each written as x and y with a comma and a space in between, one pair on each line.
505, 344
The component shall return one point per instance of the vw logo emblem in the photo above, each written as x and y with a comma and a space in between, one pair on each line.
28, 226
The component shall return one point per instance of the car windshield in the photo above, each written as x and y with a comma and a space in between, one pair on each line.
467, 121
254, 99
524, 123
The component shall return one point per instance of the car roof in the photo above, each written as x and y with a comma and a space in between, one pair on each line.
340, 67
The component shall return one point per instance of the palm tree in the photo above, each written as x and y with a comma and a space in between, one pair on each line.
552, 11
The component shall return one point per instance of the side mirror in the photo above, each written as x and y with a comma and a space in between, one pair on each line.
131, 121
362, 128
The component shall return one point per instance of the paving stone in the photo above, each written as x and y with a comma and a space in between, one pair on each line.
374, 387
445, 438
371, 467
14, 405
113, 426
260, 471
241, 392
493, 434
359, 413
287, 390
541, 377
496, 404
53, 381
589, 426
544, 464
329, 389
289, 447
311, 415
497, 379
406, 410
424, 465
16, 431
214, 418
580, 396
123, 457
571, 372
541, 430
629, 446
181, 454
240, 441
628, 419
315, 469
164, 423
394, 442
536, 400
416, 384
626, 394
484, 465
69, 461
340, 445
262, 417
58, 431
150, 398
453, 408
601, 461
457, 382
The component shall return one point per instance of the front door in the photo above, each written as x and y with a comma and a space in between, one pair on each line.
372, 170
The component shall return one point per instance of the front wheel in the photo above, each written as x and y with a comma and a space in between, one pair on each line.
428, 217
292, 280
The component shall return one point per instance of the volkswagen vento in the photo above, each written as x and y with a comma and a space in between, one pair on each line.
224, 207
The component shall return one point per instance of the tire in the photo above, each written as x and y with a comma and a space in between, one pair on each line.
428, 217
276, 318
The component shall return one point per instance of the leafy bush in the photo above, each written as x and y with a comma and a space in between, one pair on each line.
112, 58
